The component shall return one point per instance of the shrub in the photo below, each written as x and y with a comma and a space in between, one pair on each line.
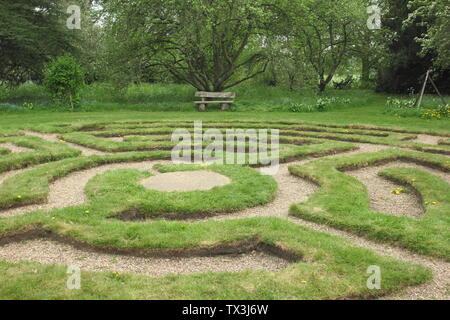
64, 79
301, 107
407, 108
321, 105
440, 113
28, 105
400, 103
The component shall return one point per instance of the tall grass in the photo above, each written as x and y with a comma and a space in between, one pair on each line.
251, 96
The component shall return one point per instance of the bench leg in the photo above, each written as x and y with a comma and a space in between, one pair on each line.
202, 107
225, 106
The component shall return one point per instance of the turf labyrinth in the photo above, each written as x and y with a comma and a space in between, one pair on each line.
344, 198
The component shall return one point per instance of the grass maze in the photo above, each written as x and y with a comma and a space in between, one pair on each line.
57, 197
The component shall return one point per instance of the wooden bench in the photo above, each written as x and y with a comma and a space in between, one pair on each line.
214, 95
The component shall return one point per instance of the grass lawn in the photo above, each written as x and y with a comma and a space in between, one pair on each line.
321, 266
332, 204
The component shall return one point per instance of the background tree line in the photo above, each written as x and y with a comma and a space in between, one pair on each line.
216, 44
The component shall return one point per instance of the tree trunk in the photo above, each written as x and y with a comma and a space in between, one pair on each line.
291, 77
322, 86
365, 71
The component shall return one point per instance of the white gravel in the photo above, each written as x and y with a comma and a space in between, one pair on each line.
52, 252
69, 191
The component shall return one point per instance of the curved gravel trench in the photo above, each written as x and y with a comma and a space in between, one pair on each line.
54, 138
70, 191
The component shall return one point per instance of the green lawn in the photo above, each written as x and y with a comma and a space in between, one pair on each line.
334, 206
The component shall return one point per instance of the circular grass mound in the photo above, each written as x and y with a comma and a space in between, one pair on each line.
123, 192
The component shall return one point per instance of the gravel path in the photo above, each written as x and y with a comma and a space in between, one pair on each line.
436, 289
296, 190
54, 138
52, 252
69, 190
291, 190
380, 190
15, 148
9, 174
427, 139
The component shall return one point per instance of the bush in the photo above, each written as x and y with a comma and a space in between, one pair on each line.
301, 107
400, 103
439, 113
64, 79
321, 105
407, 108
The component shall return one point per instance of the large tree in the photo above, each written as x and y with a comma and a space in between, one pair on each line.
434, 15
325, 30
406, 63
31, 33
210, 44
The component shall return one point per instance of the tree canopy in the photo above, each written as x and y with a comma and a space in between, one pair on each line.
31, 33
213, 45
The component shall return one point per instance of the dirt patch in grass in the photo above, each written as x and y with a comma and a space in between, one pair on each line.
427, 139
186, 181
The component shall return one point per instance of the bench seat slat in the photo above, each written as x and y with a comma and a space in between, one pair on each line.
203, 94
209, 102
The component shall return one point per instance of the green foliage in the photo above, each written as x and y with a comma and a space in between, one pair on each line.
322, 104
301, 107
439, 113
400, 103
64, 79
405, 107
316, 26
212, 45
31, 33
406, 62
435, 16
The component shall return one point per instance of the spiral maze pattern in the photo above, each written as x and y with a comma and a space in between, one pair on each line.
76, 190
